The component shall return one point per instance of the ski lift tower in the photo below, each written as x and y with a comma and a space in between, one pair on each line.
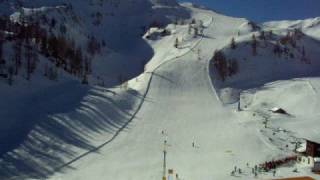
164, 159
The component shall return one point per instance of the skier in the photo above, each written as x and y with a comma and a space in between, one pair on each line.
193, 144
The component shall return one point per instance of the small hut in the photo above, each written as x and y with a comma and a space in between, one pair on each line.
279, 111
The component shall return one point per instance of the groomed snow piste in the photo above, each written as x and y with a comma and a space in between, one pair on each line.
209, 126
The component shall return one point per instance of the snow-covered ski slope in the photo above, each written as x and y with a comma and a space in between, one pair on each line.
206, 138
118, 133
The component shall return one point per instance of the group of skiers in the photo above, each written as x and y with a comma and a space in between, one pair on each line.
269, 166
255, 170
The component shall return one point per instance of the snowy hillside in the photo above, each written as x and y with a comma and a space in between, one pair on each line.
121, 81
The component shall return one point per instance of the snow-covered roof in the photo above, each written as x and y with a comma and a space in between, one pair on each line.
302, 149
311, 135
275, 109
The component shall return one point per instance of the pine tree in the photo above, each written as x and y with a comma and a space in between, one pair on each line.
1, 45
77, 62
189, 29
233, 67
34, 59
176, 44
196, 32
270, 34
46, 70
28, 57
233, 44
277, 49
84, 79
10, 75
2, 61
44, 44
17, 51
220, 64
304, 55
254, 45
53, 23
93, 46
262, 36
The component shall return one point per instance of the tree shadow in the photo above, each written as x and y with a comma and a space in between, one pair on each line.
58, 122
50, 128
164, 78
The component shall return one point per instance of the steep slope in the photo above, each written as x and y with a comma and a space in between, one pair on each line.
46, 122
112, 28
275, 51
308, 26
205, 139
179, 99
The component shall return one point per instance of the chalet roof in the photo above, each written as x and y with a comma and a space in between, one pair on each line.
312, 137
278, 110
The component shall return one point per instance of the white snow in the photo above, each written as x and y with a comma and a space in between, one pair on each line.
118, 133
183, 103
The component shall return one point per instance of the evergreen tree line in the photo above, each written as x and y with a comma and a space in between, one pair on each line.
29, 39
225, 67
282, 47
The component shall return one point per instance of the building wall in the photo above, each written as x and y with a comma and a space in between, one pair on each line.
306, 160
313, 149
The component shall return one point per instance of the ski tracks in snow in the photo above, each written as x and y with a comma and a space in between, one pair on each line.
117, 133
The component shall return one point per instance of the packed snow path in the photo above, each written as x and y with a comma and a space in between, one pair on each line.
206, 140
152, 74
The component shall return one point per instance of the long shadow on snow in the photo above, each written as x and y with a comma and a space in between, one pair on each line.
53, 124
42, 142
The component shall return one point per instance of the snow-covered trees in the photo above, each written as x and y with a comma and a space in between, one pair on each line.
29, 40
